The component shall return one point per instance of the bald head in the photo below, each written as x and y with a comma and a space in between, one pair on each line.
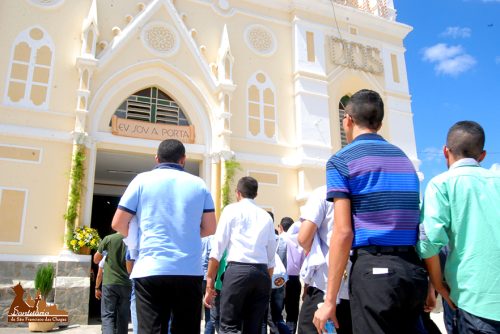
466, 140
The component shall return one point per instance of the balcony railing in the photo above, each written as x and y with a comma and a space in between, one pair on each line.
382, 8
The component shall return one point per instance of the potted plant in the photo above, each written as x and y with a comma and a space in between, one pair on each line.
44, 280
84, 240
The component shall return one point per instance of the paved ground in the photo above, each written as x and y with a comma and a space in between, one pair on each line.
96, 329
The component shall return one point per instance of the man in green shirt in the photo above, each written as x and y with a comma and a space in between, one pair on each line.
116, 285
461, 209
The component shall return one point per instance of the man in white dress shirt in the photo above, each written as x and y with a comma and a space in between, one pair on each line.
247, 233
317, 222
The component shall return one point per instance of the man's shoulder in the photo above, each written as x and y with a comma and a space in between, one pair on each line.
115, 238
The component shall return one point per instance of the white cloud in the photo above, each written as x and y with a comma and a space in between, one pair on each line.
432, 154
456, 32
495, 167
455, 66
441, 51
449, 60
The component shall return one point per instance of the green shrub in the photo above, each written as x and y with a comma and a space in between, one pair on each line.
44, 279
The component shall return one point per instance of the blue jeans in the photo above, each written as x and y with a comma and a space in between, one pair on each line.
209, 325
115, 305
450, 318
133, 311
215, 312
470, 324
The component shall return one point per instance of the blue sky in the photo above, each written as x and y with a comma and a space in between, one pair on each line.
453, 65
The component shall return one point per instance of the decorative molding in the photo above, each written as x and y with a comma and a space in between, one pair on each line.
222, 7
160, 38
36, 38
260, 39
38, 133
37, 162
112, 50
355, 55
46, 4
251, 172
23, 219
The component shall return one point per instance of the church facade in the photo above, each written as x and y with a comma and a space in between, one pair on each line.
261, 83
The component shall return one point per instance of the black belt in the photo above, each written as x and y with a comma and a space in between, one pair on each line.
256, 265
385, 249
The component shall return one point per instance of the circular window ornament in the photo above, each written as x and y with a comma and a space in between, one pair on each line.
260, 40
46, 3
160, 38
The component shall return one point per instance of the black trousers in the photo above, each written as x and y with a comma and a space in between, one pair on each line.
292, 298
387, 292
158, 297
313, 297
244, 298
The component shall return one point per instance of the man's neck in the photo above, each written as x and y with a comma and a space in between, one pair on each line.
356, 132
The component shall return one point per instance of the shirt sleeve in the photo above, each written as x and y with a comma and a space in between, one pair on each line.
103, 246
313, 210
130, 199
209, 203
435, 221
222, 234
271, 246
337, 185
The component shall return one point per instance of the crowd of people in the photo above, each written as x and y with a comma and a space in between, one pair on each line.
368, 254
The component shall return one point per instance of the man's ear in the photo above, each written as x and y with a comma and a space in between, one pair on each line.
182, 160
481, 156
156, 159
446, 152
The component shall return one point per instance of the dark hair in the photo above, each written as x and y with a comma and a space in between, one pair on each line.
248, 187
286, 222
170, 150
271, 214
366, 109
466, 139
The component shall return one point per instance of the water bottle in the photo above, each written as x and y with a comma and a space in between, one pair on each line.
329, 326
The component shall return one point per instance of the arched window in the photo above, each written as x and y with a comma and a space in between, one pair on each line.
30, 71
342, 104
261, 107
153, 106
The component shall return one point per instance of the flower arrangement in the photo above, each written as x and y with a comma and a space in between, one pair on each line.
84, 237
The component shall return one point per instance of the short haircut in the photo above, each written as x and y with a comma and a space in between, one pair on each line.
171, 150
248, 186
366, 109
286, 222
466, 139
271, 214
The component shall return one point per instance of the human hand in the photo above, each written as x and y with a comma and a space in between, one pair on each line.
326, 311
430, 301
210, 294
98, 294
444, 290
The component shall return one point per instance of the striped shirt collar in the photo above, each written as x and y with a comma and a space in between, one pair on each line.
369, 136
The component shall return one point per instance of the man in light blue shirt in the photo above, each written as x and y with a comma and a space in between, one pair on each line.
462, 209
174, 209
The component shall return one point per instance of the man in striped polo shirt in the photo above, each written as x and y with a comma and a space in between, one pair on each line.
375, 191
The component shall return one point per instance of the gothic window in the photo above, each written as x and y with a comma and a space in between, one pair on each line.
261, 107
342, 104
31, 69
153, 106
